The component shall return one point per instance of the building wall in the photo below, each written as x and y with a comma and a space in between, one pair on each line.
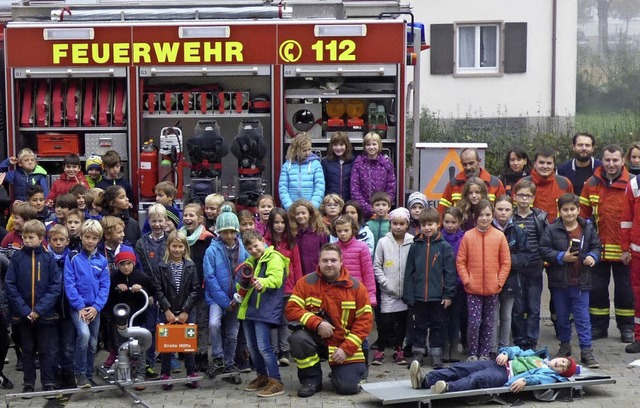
508, 95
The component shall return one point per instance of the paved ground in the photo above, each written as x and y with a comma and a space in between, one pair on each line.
610, 352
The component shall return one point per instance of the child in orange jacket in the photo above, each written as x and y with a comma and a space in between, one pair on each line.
483, 264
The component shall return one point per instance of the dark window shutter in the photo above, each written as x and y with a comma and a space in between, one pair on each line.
515, 48
441, 49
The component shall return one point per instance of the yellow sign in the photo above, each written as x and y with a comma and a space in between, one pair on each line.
138, 52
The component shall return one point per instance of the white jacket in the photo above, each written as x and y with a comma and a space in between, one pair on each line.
389, 264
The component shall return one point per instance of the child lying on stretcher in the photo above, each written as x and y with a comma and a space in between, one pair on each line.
513, 368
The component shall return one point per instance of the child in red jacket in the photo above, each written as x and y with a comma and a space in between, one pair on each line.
71, 176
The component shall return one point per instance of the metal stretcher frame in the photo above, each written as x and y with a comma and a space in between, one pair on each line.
398, 392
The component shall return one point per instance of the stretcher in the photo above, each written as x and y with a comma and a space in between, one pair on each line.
399, 392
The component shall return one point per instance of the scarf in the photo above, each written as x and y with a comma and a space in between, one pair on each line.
193, 238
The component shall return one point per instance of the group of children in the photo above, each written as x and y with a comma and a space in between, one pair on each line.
470, 276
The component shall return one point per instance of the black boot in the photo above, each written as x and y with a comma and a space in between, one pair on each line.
311, 380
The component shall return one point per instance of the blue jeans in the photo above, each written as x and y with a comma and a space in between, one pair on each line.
86, 344
219, 318
150, 324
466, 376
258, 336
526, 308
572, 300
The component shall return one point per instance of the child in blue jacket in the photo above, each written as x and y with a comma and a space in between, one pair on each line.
513, 367
28, 173
33, 285
222, 257
301, 175
86, 282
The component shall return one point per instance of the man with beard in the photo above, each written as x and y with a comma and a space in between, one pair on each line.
578, 170
470, 161
602, 198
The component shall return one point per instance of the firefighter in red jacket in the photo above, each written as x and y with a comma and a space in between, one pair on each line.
471, 164
331, 316
602, 197
549, 186
630, 226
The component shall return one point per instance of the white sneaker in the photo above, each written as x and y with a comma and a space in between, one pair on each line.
416, 375
440, 387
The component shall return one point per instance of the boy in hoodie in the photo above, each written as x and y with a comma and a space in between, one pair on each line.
33, 285
513, 367
429, 286
260, 310
389, 267
222, 257
112, 164
29, 173
71, 176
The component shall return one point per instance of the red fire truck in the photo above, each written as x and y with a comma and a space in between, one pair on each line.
173, 86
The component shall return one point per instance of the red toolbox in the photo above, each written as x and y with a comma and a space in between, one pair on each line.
58, 144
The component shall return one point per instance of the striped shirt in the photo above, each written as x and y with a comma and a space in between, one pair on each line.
176, 272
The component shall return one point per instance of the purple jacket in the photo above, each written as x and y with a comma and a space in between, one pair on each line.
357, 259
454, 240
369, 176
309, 244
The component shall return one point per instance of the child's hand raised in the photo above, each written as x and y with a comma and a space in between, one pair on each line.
13, 160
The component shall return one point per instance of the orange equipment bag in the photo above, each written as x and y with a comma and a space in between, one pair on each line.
178, 338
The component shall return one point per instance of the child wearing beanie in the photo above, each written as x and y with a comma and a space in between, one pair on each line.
416, 203
126, 283
93, 166
222, 257
389, 265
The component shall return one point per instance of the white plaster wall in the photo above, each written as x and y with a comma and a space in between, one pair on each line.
509, 95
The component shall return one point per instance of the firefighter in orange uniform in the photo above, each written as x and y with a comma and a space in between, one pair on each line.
602, 197
471, 164
330, 316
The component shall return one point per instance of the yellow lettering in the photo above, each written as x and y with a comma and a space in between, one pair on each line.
191, 51
166, 52
79, 53
121, 53
215, 51
141, 53
233, 50
96, 56
59, 52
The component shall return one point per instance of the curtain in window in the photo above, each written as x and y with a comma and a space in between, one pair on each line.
488, 42
467, 47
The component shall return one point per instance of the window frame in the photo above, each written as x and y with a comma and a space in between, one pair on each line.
498, 69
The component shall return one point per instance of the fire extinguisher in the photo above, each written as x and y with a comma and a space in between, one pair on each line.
148, 169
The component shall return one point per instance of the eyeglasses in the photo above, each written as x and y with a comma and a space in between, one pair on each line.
524, 196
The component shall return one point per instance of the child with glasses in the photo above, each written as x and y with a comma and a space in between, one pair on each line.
526, 308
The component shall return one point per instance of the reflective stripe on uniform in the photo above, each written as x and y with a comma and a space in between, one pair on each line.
364, 309
599, 311
307, 362
624, 312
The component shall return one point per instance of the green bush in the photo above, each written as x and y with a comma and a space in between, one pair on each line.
623, 129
